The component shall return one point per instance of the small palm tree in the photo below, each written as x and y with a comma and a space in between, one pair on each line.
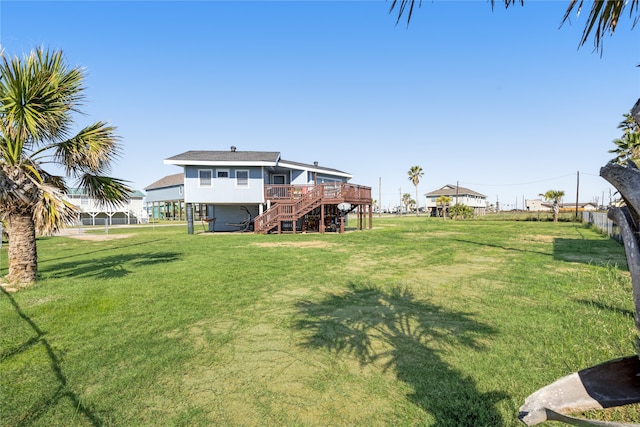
444, 202
39, 94
554, 196
415, 173
407, 201
628, 145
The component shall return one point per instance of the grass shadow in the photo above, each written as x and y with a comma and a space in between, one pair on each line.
128, 245
417, 335
63, 390
588, 251
630, 314
506, 248
107, 267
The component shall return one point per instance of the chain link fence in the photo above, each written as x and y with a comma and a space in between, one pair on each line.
604, 224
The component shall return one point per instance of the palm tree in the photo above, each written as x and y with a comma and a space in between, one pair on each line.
554, 196
444, 202
39, 94
603, 17
628, 145
415, 173
407, 201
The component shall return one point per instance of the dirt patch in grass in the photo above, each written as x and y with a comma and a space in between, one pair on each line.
541, 238
444, 233
312, 244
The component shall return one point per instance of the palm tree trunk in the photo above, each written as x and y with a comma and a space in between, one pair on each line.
23, 255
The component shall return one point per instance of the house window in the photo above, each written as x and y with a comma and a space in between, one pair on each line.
204, 177
242, 178
222, 173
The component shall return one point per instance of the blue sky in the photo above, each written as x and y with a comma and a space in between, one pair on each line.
500, 101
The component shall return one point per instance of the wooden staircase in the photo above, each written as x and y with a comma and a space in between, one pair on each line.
289, 210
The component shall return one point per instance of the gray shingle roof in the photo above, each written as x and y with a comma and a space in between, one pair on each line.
452, 190
167, 181
308, 166
271, 158
228, 156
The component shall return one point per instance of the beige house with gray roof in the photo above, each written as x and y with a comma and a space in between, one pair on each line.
459, 195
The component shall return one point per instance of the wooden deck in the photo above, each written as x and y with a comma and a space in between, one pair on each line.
312, 207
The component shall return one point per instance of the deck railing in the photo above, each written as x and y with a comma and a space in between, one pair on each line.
339, 190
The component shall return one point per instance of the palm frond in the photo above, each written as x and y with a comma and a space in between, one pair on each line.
37, 93
107, 191
603, 18
52, 211
408, 6
55, 181
92, 150
402, 5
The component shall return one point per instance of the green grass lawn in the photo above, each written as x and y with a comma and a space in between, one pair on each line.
416, 322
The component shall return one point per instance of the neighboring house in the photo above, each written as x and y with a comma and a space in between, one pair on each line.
94, 213
459, 195
258, 190
165, 198
539, 205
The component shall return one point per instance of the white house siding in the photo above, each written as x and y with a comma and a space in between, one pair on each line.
223, 190
536, 205
471, 201
92, 213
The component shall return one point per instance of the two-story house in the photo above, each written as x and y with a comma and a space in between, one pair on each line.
261, 192
92, 212
458, 195
165, 198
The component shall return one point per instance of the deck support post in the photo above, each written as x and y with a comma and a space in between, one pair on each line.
189, 218
211, 213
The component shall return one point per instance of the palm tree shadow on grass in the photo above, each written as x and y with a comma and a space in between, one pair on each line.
63, 392
414, 334
107, 267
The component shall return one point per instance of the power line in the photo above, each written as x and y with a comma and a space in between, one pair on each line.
517, 184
